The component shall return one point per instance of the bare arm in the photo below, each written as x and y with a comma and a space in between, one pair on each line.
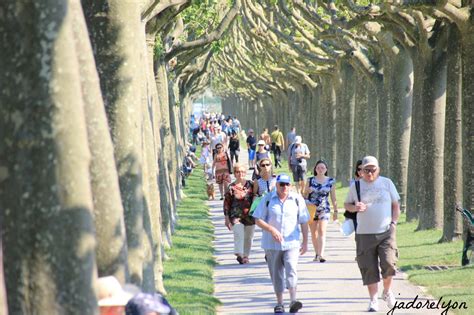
304, 243
395, 211
306, 190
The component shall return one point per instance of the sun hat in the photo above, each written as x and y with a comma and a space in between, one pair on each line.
283, 178
369, 161
111, 293
261, 142
298, 139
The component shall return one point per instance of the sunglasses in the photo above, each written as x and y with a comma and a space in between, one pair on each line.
264, 164
284, 184
218, 148
370, 170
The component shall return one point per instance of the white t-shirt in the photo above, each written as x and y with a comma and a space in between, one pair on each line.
378, 196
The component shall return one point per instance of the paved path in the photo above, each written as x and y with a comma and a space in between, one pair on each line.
333, 287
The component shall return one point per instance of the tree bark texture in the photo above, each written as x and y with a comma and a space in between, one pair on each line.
49, 237
433, 136
453, 185
113, 26
111, 248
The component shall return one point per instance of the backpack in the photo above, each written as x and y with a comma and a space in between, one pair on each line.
297, 204
353, 215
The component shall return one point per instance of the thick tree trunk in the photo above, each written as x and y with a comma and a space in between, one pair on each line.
333, 126
348, 121
415, 181
468, 115
384, 131
166, 196
453, 190
45, 194
113, 26
431, 215
402, 99
361, 138
111, 248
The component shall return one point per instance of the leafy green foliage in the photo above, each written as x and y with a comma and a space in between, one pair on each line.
200, 18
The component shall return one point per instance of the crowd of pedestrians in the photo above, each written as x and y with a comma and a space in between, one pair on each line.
286, 214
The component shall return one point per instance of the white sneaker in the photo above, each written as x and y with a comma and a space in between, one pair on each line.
389, 298
373, 305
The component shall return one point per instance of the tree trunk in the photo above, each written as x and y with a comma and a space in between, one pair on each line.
453, 190
348, 121
113, 26
3, 292
431, 215
468, 115
111, 248
45, 193
402, 92
166, 197
361, 138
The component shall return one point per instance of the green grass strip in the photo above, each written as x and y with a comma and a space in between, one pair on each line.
188, 271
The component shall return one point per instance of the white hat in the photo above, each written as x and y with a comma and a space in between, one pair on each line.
111, 293
261, 142
298, 139
369, 160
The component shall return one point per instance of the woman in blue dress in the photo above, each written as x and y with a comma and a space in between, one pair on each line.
317, 191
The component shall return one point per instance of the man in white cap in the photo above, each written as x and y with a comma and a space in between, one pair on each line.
377, 215
282, 214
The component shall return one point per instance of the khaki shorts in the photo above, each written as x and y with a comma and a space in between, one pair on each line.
374, 250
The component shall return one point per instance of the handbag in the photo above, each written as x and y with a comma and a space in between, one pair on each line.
255, 204
347, 227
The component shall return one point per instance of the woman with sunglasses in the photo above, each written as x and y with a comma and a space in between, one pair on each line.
266, 181
238, 199
317, 191
260, 154
221, 168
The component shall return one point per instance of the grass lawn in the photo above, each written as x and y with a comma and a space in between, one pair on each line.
188, 272
421, 248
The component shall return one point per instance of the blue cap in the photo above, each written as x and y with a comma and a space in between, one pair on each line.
283, 178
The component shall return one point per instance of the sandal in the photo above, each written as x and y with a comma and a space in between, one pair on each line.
295, 306
321, 259
279, 309
240, 260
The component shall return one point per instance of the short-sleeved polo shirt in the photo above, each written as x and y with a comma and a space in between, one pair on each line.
285, 216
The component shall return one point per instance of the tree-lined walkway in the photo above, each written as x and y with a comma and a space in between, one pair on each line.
324, 288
